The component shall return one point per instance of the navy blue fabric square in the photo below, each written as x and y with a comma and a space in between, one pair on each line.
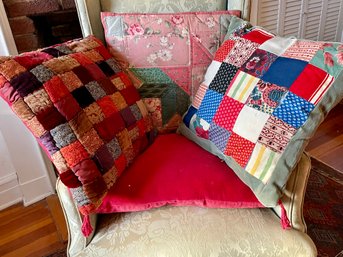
25, 83
293, 110
83, 97
284, 71
209, 105
223, 78
187, 118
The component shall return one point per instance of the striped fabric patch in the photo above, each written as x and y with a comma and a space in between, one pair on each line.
241, 87
262, 162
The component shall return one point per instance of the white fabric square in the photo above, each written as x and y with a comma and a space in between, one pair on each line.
211, 72
250, 123
241, 87
262, 162
277, 45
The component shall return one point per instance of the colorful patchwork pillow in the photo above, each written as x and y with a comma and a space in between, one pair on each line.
83, 110
262, 99
167, 54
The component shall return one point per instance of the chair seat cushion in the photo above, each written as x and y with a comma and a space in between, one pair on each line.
176, 171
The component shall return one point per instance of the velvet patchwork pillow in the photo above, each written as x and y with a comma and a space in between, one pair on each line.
83, 110
167, 54
262, 99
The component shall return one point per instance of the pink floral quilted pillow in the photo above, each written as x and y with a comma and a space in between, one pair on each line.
168, 55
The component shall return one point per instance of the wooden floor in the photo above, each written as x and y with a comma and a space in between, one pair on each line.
39, 230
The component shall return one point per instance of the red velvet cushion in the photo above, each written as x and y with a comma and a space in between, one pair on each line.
176, 171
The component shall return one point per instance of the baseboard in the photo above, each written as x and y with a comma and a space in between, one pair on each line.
36, 190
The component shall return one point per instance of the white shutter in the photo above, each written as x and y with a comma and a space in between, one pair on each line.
309, 19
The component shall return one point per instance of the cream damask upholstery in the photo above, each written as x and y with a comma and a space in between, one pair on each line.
187, 231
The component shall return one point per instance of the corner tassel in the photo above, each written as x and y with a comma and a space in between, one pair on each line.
86, 226
284, 219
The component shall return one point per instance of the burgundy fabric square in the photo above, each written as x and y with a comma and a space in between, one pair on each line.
69, 179
81, 58
86, 171
83, 97
130, 94
95, 71
32, 59
109, 127
50, 118
68, 107
103, 159
83, 74
25, 83
107, 86
103, 52
128, 117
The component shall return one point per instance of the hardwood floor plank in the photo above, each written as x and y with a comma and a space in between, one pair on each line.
58, 216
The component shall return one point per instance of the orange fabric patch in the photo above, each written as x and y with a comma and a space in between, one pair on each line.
62, 64
59, 162
22, 110
93, 56
91, 141
110, 177
107, 106
56, 89
94, 113
71, 81
74, 153
10, 69
38, 101
119, 101
80, 124
36, 127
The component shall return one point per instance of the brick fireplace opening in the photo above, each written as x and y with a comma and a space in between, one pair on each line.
40, 23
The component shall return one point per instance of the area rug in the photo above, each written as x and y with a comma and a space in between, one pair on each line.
323, 209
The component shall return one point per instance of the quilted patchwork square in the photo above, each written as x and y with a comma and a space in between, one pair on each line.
49, 143
119, 84
9, 69
80, 124
258, 63
36, 127
224, 50
219, 136
302, 50
95, 72
86, 171
68, 107
262, 162
56, 89
91, 141
200, 95
83, 97
258, 36
136, 112
22, 110
241, 51
277, 45
293, 110
32, 59
241, 86
81, 58
103, 159
59, 162
223, 78
106, 68
38, 101
63, 135
211, 72
62, 64
107, 106
107, 86
265, 97
70, 80
113, 64
109, 127
126, 145
128, 116
209, 105
42, 73
25, 83
50, 118
312, 84
83, 74
95, 89
93, 55
114, 148
239, 149
250, 123
276, 134
118, 100
53, 52
94, 113
276, 73
131, 95
227, 113
74, 153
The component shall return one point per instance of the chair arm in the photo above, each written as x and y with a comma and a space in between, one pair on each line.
76, 240
293, 198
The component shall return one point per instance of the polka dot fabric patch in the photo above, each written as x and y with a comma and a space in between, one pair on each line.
270, 107
82, 109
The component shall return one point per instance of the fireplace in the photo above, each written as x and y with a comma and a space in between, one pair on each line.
39, 23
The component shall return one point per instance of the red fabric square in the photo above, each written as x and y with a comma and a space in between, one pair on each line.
107, 106
81, 58
258, 36
68, 106
224, 50
130, 94
110, 126
103, 51
32, 59
95, 71
239, 149
120, 164
74, 153
50, 118
124, 78
311, 84
56, 89
70, 179
227, 113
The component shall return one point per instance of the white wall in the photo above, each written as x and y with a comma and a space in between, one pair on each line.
25, 174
